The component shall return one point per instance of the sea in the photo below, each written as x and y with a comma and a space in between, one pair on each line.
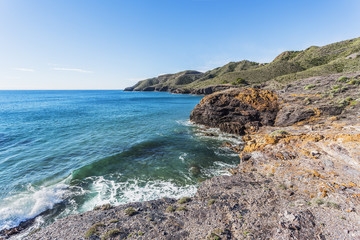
65, 152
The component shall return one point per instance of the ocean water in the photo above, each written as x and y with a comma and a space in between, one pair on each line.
65, 152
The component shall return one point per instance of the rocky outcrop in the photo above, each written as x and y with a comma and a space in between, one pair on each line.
237, 110
244, 110
129, 89
180, 91
199, 91
211, 89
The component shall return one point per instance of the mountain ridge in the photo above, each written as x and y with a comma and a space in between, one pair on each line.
339, 57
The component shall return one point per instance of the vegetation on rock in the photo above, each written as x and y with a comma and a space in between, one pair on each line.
130, 211
286, 67
184, 200
94, 230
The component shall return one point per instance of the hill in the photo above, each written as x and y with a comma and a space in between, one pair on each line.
340, 57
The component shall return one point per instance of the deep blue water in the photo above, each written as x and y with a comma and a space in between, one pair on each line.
72, 150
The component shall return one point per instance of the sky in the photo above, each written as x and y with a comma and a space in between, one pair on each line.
112, 44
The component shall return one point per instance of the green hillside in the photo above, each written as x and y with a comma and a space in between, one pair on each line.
338, 57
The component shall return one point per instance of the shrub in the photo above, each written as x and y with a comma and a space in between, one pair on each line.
113, 221
335, 87
103, 207
211, 202
308, 87
333, 205
111, 234
184, 200
93, 230
342, 79
354, 82
106, 206
307, 101
345, 102
170, 209
338, 88
319, 202
181, 209
130, 211
241, 81
353, 103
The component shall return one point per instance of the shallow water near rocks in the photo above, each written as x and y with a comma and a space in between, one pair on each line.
65, 152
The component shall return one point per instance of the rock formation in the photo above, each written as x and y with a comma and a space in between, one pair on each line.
237, 110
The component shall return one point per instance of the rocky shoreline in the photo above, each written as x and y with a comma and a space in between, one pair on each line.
298, 175
198, 91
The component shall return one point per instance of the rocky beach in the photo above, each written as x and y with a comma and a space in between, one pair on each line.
295, 122
297, 178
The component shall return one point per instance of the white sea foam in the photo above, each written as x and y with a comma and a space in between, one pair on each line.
39, 221
218, 169
183, 156
116, 193
186, 123
215, 133
29, 204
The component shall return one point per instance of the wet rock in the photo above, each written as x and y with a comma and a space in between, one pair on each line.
209, 134
195, 170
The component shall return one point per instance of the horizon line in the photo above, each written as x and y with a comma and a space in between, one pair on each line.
61, 89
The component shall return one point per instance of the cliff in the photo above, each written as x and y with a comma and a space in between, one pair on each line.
298, 175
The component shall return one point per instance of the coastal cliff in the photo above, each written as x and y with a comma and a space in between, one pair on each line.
297, 178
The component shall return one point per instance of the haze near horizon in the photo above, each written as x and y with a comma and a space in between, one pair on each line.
113, 44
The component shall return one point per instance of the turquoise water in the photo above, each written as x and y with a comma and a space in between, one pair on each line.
68, 151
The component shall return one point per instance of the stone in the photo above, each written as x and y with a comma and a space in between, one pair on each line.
237, 111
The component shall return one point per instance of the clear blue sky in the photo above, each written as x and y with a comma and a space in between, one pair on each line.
88, 44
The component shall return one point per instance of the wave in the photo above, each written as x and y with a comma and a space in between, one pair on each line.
134, 190
164, 166
30, 203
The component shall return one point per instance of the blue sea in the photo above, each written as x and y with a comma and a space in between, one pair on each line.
65, 152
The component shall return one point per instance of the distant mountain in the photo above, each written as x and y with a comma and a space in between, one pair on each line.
338, 57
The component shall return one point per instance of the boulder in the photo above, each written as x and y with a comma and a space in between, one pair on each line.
237, 111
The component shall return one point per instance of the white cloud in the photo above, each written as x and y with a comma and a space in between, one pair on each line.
24, 69
71, 70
